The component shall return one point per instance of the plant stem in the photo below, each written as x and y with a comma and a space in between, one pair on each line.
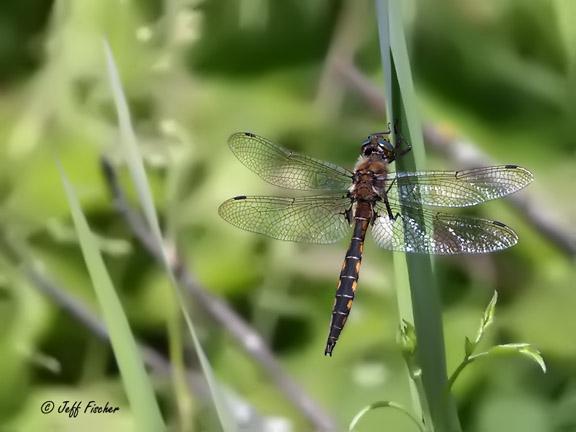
425, 313
467, 360
457, 371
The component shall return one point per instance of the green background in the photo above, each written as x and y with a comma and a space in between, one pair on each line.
498, 73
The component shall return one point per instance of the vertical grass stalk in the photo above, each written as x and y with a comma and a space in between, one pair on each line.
133, 158
418, 300
137, 384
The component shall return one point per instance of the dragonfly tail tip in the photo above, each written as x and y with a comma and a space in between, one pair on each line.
329, 348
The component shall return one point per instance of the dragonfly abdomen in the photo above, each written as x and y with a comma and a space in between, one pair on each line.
347, 283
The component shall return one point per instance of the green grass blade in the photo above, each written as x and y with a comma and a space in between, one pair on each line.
384, 38
136, 381
384, 404
400, 268
135, 164
129, 146
425, 303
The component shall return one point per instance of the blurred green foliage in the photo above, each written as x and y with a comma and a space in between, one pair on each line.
502, 73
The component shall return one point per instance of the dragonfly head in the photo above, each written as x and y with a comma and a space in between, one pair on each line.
380, 145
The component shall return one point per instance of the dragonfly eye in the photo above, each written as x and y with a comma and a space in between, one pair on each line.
376, 143
386, 145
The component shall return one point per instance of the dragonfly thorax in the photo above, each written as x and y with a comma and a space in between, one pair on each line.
369, 179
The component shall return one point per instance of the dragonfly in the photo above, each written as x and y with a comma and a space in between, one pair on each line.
397, 207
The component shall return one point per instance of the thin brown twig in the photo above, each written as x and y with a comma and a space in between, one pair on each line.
463, 153
80, 313
246, 415
242, 333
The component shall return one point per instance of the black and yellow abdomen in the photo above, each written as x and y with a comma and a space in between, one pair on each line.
348, 281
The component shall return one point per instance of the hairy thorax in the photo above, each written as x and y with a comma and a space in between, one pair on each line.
369, 179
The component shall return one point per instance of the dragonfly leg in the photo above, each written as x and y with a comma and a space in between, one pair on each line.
348, 214
403, 151
391, 215
399, 151
391, 184
387, 203
388, 132
403, 147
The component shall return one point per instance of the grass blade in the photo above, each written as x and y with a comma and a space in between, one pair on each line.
400, 268
136, 381
136, 167
424, 309
383, 404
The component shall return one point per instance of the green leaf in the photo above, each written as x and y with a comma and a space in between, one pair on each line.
487, 318
534, 354
521, 348
407, 338
383, 404
469, 346
408, 343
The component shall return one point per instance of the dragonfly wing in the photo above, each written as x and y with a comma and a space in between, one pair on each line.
314, 219
458, 188
422, 231
287, 169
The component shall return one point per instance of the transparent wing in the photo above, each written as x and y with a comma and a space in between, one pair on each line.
315, 219
423, 231
458, 188
287, 169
